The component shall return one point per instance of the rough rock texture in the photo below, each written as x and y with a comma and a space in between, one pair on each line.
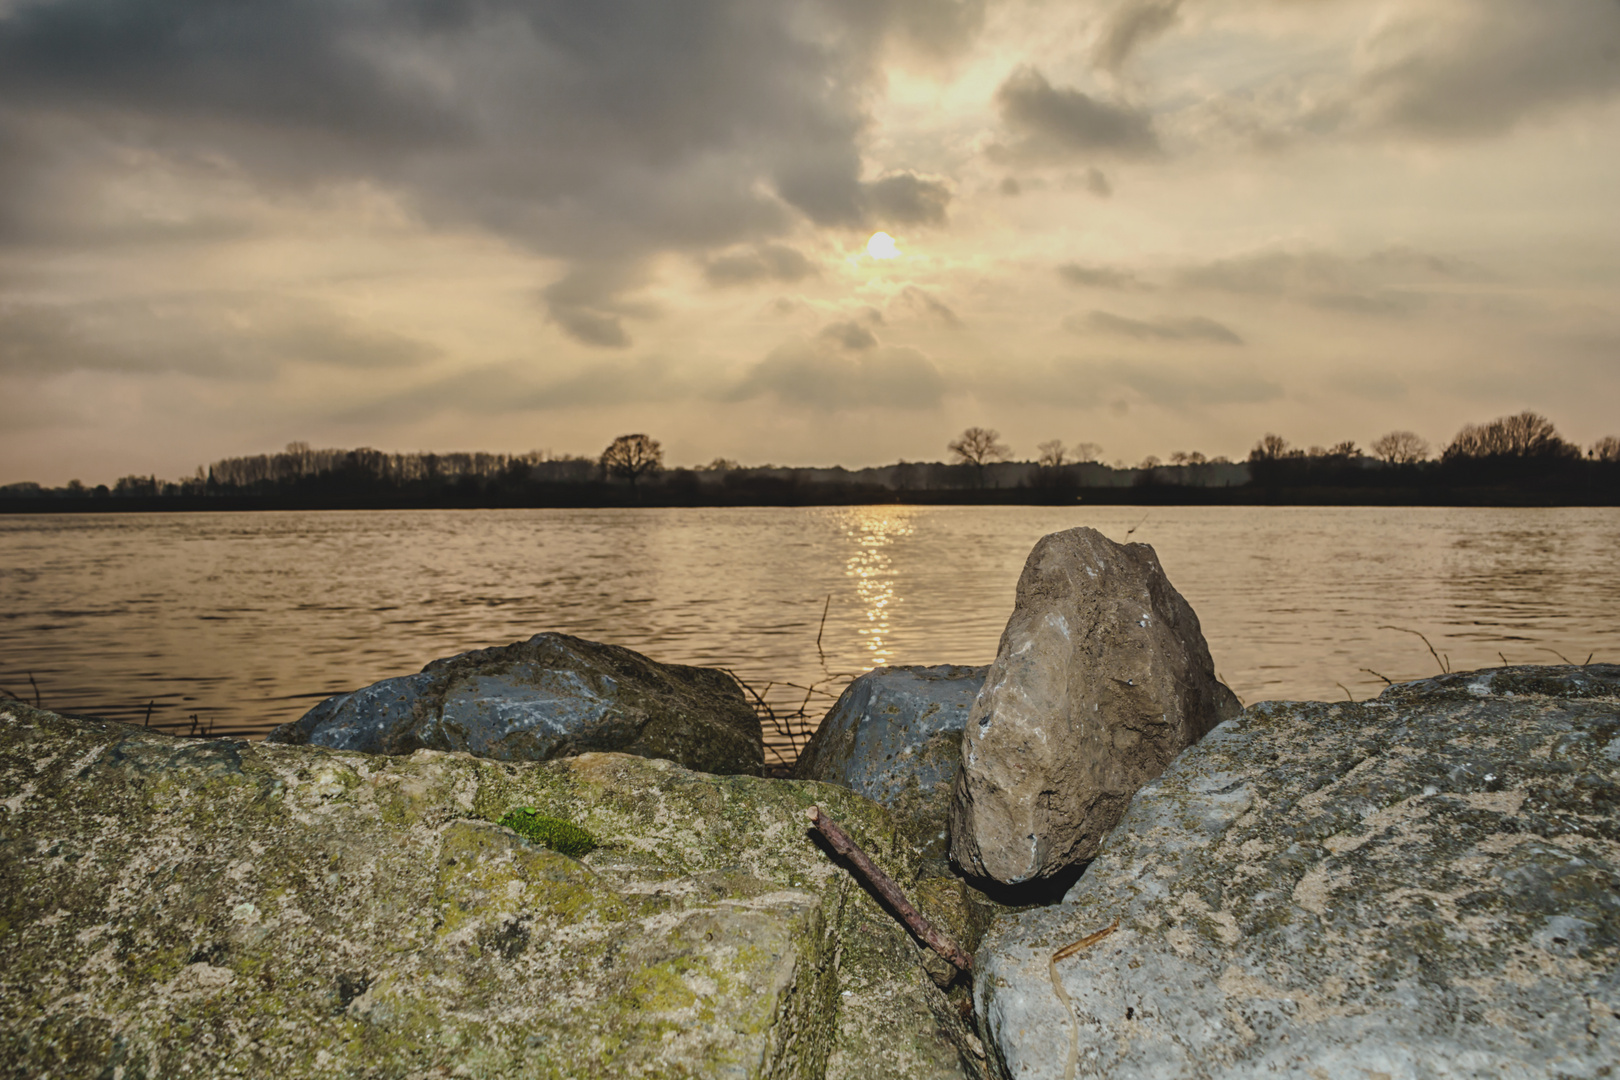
551, 696
895, 736
220, 908
1426, 885
1102, 677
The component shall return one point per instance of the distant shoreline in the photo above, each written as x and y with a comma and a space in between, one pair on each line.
618, 497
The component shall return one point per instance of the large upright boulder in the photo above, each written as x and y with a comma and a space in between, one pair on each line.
895, 736
176, 907
1101, 679
551, 696
1425, 886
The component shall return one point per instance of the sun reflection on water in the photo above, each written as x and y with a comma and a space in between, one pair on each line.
872, 530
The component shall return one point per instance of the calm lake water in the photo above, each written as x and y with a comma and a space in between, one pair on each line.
245, 620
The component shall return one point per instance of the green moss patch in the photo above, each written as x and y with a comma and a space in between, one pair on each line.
560, 836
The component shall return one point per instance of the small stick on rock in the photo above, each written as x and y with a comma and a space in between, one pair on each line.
886, 888
1084, 943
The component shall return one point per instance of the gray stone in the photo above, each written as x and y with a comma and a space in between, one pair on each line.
895, 736
1102, 677
174, 907
1421, 886
551, 696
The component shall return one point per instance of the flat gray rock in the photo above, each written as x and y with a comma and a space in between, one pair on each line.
1102, 677
551, 696
1421, 886
895, 736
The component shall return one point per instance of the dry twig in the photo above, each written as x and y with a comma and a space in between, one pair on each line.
1084, 943
886, 888
1445, 665
1387, 680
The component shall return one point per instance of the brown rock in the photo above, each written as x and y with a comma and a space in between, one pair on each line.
1101, 679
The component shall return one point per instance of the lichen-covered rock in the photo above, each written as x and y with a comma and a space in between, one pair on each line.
895, 736
173, 907
1426, 885
548, 697
1102, 677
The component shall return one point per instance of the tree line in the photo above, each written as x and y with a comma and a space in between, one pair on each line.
1521, 456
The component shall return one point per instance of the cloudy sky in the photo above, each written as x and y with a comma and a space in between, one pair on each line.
1155, 225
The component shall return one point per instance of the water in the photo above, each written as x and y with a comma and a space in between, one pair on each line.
245, 620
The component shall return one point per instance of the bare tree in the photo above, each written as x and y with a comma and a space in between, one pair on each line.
1607, 448
1346, 449
1526, 434
1051, 454
1086, 451
978, 447
630, 457
1400, 448
1269, 448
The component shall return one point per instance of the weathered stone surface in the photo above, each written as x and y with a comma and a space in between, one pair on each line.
1426, 885
1102, 677
222, 908
895, 736
551, 696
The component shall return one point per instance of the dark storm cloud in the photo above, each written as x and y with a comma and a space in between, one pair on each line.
1133, 24
1391, 282
1098, 277
850, 335
586, 304
222, 337
767, 262
1189, 328
1094, 383
598, 131
513, 387
906, 199
825, 375
1368, 384
925, 302
1491, 65
1055, 121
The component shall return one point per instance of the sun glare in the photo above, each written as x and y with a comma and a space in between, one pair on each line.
881, 246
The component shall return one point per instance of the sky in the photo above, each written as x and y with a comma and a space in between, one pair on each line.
510, 225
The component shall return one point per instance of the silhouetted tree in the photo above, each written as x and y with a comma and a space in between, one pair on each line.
1523, 435
1269, 448
978, 447
1400, 448
630, 457
1051, 454
1607, 448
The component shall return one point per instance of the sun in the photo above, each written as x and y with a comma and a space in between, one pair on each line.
881, 246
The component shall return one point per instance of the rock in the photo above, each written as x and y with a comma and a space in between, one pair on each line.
1102, 677
895, 736
1425, 885
181, 907
551, 696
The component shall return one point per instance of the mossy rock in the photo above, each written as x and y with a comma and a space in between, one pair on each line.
554, 833
224, 908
